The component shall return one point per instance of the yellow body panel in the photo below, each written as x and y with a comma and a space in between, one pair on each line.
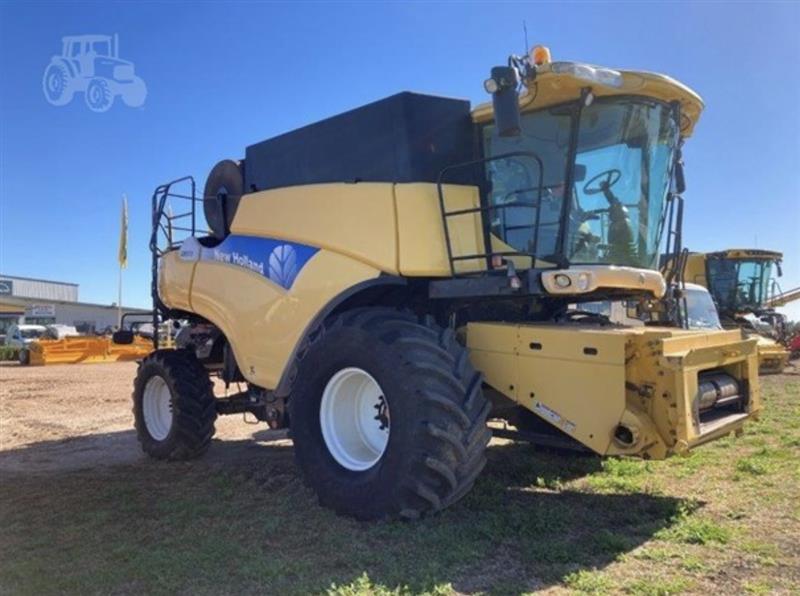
175, 280
549, 374
358, 221
586, 381
396, 228
262, 321
423, 251
695, 271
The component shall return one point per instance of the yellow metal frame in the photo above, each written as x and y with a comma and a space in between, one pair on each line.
587, 381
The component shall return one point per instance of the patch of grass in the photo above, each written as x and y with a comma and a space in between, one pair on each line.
589, 582
757, 587
764, 462
693, 564
766, 553
612, 543
623, 475
690, 464
694, 529
657, 586
364, 586
752, 465
655, 554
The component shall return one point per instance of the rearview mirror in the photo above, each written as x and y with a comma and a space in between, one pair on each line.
505, 100
680, 179
122, 337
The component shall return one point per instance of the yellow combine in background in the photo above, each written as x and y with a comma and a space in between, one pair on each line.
743, 287
385, 281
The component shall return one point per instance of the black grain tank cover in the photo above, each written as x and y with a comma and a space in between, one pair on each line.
407, 137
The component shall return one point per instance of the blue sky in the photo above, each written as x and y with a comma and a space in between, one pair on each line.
222, 76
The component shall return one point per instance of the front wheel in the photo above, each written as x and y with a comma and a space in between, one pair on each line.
173, 405
387, 415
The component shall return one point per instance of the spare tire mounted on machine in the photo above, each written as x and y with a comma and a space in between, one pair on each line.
224, 188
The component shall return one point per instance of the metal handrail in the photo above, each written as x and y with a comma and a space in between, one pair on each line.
484, 207
161, 195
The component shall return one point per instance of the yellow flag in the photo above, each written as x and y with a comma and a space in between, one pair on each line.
123, 235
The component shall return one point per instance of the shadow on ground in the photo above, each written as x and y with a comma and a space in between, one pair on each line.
241, 518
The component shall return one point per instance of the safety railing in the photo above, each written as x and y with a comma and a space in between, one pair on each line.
485, 209
169, 230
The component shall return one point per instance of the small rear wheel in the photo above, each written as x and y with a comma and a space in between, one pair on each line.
24, 356
173, 405
387, 415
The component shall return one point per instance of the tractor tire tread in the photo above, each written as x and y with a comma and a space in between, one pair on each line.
449, 408
194, 406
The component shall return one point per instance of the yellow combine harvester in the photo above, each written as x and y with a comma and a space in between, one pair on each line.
742, 285
385, 281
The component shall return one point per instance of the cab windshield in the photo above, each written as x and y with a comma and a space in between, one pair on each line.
622, 155
699, 309
739, 284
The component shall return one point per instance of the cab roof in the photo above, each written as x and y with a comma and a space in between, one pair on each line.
747, 253
552, 88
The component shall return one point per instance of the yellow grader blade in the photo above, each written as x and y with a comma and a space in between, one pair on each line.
77, 350
651, 392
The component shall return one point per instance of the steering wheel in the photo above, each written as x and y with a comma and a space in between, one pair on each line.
605, 179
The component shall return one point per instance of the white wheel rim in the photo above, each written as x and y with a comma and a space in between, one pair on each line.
157, 408
354, 417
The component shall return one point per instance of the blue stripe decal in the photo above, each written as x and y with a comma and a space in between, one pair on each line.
277, 260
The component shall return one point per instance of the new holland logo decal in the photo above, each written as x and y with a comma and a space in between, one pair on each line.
277, 260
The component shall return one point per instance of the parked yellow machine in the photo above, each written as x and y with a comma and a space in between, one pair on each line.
85, 350
742, 285
385, 281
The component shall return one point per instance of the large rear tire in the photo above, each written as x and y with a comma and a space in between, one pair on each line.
173, 405
414, 383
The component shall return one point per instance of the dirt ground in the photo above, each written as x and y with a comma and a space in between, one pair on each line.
72, 417
83, 511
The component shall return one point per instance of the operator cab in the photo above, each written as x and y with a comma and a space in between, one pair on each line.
741, 280
580, 181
